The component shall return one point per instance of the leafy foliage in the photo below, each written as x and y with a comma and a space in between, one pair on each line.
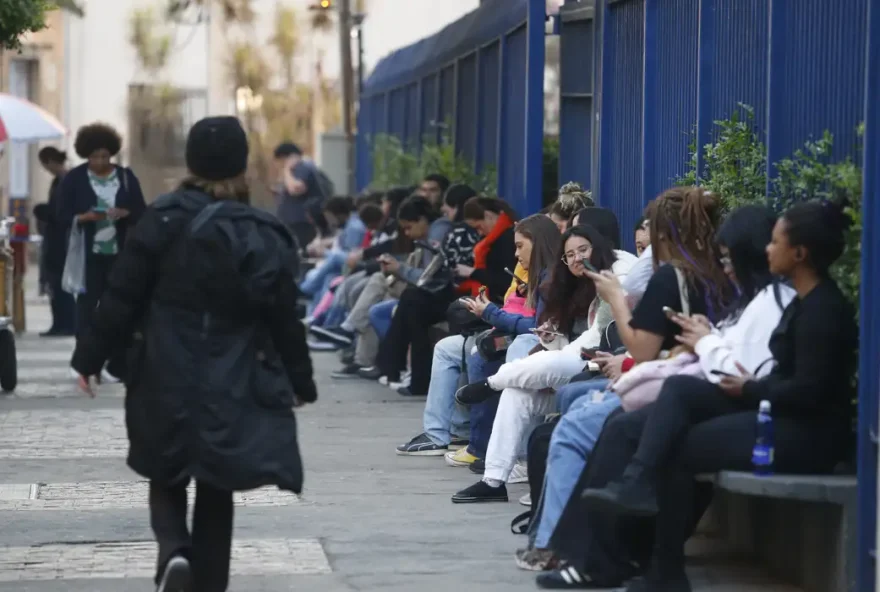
394, 165
18, 17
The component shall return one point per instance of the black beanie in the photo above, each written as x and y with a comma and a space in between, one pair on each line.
217, 148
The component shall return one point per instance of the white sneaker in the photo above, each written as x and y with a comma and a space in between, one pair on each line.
383, 380
526, 500
107, 378
519, 474
73, 373
176, 577
405, 381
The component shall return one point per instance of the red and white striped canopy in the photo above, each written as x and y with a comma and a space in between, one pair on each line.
22, 121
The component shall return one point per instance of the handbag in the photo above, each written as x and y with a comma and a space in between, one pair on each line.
492, 344
462, 321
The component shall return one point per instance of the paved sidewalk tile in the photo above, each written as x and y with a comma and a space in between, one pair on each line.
137, 560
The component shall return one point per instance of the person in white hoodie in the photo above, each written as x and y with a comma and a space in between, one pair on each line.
574, 317
742, 337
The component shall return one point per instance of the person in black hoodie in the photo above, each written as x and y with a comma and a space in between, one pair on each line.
203, 302
697, 427
53, 251
105, 201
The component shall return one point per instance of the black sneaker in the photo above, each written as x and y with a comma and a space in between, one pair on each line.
632, 495
481, 492
370, 373
347, 371
406, 391
478, 467
474, 393
176, 577
421, 445
336, 335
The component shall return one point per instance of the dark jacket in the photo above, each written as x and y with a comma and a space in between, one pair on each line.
210, 380
54, 248
501, 254
76, 196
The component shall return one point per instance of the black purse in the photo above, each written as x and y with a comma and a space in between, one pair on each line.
493, 343
462, 321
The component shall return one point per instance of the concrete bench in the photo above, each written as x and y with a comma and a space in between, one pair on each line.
803, 528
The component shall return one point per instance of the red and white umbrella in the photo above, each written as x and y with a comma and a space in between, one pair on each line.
22, 121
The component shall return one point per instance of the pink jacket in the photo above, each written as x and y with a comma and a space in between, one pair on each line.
641, 385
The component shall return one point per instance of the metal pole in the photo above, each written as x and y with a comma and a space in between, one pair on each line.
347, 74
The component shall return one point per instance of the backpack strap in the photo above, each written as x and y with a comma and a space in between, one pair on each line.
683, 292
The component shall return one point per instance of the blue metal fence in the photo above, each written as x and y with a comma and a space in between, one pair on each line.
483, 77
659, 73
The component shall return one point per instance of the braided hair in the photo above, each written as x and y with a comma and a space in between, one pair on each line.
683, 223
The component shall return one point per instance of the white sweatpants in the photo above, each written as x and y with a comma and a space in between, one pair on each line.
545, 369
518, 409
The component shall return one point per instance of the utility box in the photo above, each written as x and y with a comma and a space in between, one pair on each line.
331, 156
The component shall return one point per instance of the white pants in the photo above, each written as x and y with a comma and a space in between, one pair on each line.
518, 409
545, 369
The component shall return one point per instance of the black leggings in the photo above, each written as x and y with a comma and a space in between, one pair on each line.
98, 268
209, 547
693, 428
416, 311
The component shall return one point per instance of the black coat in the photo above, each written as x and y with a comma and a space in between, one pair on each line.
210, 384
501, 254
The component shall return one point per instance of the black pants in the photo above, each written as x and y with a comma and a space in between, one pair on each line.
98, 269
63, 306
209, 547
416, 311
694, 427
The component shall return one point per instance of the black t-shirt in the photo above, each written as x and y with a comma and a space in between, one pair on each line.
662, 290
293, 209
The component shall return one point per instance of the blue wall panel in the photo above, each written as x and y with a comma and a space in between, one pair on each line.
621, 144
466, 108
820, 73
429, 108
511, 184
488, 87
740, 64
447, 100
674, 102
397, 112
413, 109
576, 108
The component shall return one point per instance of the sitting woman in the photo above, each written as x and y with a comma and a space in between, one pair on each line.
571, 310
340, 213
536, 239
696, 426
743, 337
572, 199
423, 301
494, 220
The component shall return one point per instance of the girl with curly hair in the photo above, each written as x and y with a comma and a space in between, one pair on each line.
104, 201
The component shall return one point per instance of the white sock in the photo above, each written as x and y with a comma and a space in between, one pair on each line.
493, 482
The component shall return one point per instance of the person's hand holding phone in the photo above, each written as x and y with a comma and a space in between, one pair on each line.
91, 216
477, 305
389, 264
692, 330
547, 333
733, 385
609, 365
117, 213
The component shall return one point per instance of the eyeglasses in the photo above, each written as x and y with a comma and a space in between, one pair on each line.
572, 257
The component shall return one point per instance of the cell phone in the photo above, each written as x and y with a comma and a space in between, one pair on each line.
669, 312
588, 353
593, 367
721, 373
99, 210
590, 267
482, 292
514, 276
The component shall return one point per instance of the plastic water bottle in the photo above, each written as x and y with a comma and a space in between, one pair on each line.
763, 452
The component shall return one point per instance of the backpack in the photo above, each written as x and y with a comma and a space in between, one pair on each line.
225, 256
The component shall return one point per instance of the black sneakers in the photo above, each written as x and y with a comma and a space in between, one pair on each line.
474, 393
421, 445
481, 492
176, 577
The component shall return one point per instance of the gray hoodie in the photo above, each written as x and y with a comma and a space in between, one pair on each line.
413, 272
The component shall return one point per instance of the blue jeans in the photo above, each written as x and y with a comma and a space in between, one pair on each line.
380, 316
317, 280
575, 390
483, 415
571, 444
443, 417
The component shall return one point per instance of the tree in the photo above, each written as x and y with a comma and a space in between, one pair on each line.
18, 17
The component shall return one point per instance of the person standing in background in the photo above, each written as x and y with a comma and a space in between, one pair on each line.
433, 188
53, 251
299, 193
105, 201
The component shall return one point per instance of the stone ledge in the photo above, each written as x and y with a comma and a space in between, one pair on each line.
833, 489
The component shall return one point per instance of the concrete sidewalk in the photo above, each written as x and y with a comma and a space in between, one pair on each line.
74, 516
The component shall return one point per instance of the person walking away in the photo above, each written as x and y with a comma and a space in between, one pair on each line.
299, 193
104, 201
53, 251
203, 301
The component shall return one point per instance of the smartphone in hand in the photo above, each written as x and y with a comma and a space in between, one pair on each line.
720, 373
669, 312
588, 353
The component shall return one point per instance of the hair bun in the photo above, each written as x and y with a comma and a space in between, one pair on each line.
837, 210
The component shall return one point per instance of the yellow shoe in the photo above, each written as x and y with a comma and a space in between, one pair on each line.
460, 458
